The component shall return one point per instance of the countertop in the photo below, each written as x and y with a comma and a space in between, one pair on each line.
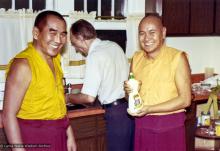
202, 96
85, 112
75, 113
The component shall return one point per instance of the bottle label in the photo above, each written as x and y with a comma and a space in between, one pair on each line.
137, 101
205, 120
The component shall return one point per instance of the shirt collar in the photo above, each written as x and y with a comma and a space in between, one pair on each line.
94, 44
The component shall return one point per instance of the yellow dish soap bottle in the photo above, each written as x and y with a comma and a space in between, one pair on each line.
134, 100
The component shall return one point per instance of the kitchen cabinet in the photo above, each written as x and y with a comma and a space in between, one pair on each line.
191, 17
88, 126
89, 132
202, 17
176, 16
217, 17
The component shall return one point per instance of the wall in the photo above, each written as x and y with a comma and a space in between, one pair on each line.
203, 51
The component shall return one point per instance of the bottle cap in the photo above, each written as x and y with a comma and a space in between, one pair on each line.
131, 75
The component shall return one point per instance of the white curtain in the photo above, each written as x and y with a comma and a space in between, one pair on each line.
16, 31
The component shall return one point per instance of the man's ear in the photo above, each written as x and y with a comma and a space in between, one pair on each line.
164, 32
35, 33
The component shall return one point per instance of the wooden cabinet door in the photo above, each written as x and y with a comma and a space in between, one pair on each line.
89, 132
217, 17
176, 16
202, 17
191, 17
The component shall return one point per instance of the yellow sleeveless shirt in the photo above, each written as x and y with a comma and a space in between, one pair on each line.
44, 98
157, 76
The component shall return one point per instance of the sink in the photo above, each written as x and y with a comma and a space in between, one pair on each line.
71, 106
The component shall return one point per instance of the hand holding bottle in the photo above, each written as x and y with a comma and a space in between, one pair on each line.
134, 101
128, 88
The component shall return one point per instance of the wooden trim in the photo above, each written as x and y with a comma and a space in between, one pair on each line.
77, 63
3, 67
82, 62
110, 17
85, 112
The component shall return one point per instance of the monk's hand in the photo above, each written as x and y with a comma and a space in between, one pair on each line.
144, 110
127, 88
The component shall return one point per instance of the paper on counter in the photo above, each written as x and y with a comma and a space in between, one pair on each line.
212, 80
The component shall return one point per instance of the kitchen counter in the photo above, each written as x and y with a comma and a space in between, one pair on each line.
85, 112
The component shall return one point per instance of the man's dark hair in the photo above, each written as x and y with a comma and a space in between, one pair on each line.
41, 18
83, 28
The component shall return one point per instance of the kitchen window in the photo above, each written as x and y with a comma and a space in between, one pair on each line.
106, 9
36, 5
